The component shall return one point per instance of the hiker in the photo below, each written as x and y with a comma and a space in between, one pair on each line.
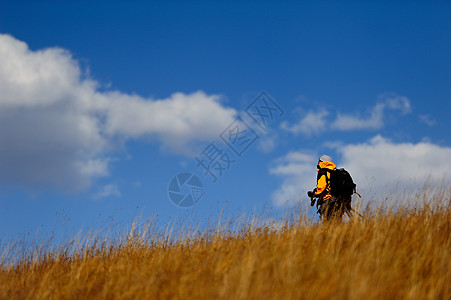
328, 206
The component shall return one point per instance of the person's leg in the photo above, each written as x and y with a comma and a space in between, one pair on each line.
335, 208
327, 209
323, 210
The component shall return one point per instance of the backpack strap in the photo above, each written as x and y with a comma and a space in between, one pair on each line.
321, 172
324, 171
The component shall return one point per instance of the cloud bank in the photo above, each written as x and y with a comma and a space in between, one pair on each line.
316, 122
346, 122
57, 128
312, 123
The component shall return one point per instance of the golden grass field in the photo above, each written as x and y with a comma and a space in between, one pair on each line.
394, 254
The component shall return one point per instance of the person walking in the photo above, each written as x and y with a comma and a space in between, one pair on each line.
328, 205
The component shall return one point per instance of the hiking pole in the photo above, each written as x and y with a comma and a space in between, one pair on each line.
358, 214
312, 201
348, 213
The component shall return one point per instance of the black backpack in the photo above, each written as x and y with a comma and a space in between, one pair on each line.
341, 183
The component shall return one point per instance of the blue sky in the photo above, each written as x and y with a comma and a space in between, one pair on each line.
102, 103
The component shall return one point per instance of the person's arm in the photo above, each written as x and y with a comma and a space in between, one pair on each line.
320, 187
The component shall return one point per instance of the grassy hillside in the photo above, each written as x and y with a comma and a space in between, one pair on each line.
392, 255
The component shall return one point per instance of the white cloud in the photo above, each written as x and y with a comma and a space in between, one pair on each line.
428, 120
311, 123
176, 120
376, 117
377, 166
108, 190
353, 122
57, 128
315, 122
381, 163
268, 142
396, 102
298, 168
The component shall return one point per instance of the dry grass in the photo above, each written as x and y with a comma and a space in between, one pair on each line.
402, 254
